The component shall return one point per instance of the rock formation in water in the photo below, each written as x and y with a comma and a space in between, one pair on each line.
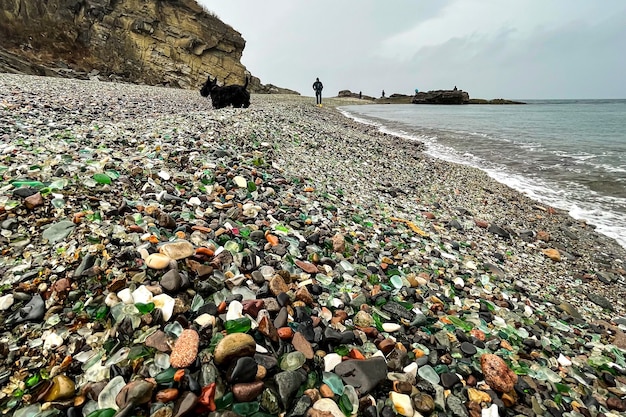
441, 97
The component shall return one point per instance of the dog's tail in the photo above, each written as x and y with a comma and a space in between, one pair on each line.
246, 84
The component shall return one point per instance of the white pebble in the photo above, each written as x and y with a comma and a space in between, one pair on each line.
402, 403
126, 296
112, 299
490, 412
391, 327
328, 406
165, 175
240, 181
458, 282
411, 369
528, 312
142, 295
563, 360
6, 301
330, 361
205, 320
166, 304
234, 311
52, 341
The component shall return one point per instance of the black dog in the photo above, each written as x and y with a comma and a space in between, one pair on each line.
230, 95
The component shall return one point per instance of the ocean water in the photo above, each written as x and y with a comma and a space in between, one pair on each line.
569, 154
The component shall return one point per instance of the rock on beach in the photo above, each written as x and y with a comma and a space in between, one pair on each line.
159, 257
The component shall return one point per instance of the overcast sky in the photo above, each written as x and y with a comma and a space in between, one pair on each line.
489, 48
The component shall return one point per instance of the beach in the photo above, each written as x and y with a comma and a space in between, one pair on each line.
132, 211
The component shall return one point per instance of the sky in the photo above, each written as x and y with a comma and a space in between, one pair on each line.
513, 49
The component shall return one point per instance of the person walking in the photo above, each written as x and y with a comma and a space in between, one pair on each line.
318, 86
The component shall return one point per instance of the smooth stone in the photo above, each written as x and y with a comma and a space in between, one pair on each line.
6, 301
302, 345
449, 379
492, 411
391, 327
106, 398
185, 349
363, 319
249, 391
185, 404
158, 261
33, 311
177, 250
468, 348
58, 231
363, 375
234, 346
402, 404
244, 370
135, 392
288, 383
497, 373
326, 405
171, 281
62, 388
423, 403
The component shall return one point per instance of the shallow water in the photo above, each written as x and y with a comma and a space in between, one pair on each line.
570, 154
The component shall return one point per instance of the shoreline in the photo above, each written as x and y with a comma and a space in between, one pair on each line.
351, 213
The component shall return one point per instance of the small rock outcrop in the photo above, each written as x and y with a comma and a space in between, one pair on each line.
441, 97
176, 43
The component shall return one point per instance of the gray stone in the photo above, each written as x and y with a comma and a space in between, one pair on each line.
288, 383
600, 300
363, 375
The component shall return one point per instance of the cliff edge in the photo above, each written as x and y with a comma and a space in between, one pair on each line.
175, 42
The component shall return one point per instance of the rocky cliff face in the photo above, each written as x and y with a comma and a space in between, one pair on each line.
173, 42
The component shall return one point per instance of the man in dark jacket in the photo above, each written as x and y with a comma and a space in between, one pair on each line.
317, 86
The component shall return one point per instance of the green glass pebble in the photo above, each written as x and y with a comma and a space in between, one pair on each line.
106, 412
246, 409
462, 324
441, 368
396, 281
240, 325
27, 183
342, 350
251, 186
215, 340
145, 308
345, 405
165, 376
102, 178
333, 381
33, 380
137, 352
101, 312
224, 401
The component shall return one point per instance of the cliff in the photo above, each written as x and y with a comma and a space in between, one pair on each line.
173, 42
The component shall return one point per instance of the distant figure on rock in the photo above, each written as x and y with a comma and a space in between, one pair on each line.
360, 95
383, 96
454, 88
318, 86
417, 91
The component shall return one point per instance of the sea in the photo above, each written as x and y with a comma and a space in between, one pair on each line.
568, 154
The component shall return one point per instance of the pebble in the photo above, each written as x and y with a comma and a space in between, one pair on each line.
166, 223
185, 349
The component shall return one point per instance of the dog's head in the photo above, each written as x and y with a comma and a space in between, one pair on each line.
208, 86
